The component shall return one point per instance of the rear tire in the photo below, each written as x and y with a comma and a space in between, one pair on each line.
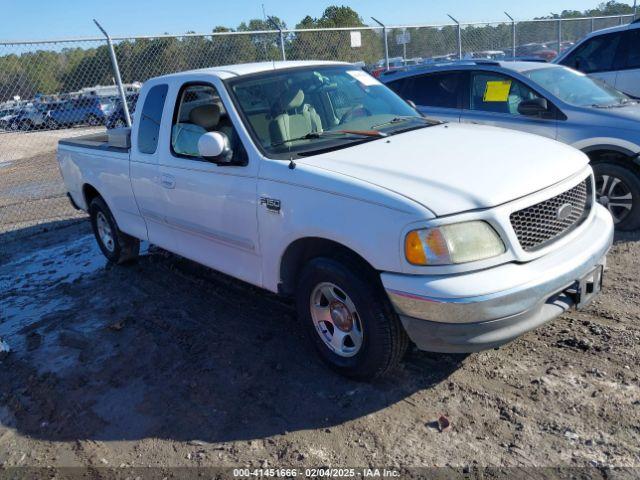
117, 246
93, 121
372, 340
618, 190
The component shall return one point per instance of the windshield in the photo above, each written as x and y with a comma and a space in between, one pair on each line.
576, 88
305, 111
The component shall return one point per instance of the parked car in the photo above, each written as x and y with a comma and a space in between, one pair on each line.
6, 116
90, 110
381, 65
489, 55
116, 117
612, 55
314, 180
28, 117
546, 99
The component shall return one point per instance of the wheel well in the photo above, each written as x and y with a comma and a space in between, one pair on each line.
89, 193
613, 156
302, 250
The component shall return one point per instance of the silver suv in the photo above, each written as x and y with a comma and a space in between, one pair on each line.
545, 99
612, 55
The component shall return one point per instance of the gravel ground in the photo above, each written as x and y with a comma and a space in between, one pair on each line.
165, 363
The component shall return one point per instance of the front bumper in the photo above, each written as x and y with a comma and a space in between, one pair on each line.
484, 309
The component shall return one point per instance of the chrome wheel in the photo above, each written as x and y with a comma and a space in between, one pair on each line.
615, 196
105, 232
336, 319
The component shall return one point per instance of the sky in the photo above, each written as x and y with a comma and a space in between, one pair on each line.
48, 19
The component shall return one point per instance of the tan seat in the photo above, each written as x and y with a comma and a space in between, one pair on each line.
185, 136
205, 116
299, 119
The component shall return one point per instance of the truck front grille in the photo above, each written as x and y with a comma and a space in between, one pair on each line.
539, 225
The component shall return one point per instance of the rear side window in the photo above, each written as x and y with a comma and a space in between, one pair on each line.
442, 90
631, 47
149, 127
598, 54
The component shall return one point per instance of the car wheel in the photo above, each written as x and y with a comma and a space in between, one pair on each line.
117, 246
51, 124
26, 126
93, 121
618, 190
349, 319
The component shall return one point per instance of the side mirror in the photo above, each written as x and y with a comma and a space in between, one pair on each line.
215, 147
533, 108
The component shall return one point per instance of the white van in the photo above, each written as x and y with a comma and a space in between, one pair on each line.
612, 55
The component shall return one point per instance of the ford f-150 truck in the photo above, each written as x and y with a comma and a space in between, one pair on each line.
313, 180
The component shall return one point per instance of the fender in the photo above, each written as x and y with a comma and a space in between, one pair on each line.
624, 147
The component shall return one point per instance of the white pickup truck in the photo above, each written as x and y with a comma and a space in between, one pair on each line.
313, 180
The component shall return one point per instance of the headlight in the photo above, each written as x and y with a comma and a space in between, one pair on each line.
455, 243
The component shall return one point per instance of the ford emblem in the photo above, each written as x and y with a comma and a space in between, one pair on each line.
564, 212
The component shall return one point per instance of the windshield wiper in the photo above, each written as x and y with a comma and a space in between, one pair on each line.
404, 118
625, 102
333, 133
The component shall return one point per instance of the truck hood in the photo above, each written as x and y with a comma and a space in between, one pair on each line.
452, 168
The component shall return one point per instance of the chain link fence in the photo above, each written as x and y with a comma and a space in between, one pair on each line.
56, 89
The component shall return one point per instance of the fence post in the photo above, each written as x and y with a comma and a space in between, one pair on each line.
513, 33
116, 72
635, 9
593, 24
386, 42
559, 35
277, 26
459, 36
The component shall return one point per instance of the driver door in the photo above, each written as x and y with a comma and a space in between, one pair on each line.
210, 207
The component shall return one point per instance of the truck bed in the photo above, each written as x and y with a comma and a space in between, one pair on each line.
96, 141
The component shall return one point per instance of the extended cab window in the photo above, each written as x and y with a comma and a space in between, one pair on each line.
491, 92
200, 110
598, 54
440, 90
149, 123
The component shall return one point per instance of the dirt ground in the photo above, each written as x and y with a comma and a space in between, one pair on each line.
167, 364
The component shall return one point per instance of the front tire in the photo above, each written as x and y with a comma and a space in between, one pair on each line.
349, 319
117, 246
618, 190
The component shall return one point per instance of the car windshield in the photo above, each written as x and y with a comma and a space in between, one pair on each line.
309, 110
576, 88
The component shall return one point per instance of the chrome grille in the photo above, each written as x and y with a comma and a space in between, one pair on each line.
541, 224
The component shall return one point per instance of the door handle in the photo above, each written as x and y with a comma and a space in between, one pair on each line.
168, 181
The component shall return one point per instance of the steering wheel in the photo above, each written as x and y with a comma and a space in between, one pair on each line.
356, 112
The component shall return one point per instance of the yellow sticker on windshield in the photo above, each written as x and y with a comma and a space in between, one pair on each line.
497, 91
